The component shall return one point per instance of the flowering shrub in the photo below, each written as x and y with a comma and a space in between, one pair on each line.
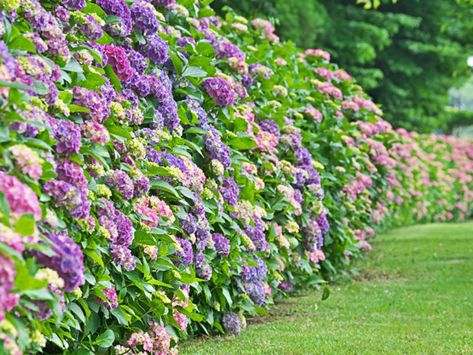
165, 173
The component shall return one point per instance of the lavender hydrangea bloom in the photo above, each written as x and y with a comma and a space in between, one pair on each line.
120, 180
72, 173
222, 244
313, 236
184, 41
254, 273
156, 49
143, 16
120, 9
141, 186
247, 80
67, 196
220, 90
74, 4
189, 224
286, 285
256, 292
122, 256
95, 102
186, 256
323, 223
137, 60
216, 148
225, 49
67, 135
168, 110
164, 2
116, 223
67, 261
195, 107
230, 191
257, 235
203, 270
91, 28
271, 127
231, 323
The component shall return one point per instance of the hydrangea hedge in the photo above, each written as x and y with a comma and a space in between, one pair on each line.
165, 173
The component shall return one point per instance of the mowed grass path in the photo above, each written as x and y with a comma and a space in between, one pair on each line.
414, 295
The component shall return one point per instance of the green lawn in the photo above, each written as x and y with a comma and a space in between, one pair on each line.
414, 294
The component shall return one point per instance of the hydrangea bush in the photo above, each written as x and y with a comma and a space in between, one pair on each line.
164, 172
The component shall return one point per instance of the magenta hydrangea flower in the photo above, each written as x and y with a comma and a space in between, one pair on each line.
220, 90
20, 197
111, 299
118, 60
67, 261
7, 277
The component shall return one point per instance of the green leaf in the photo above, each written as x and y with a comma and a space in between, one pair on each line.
113, 78
242, 142
194, 72
325, 293
25, 225
106, 339
165, 186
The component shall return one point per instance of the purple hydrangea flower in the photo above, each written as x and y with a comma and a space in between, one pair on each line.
222, 244
257, 235
67, 261
230, 191
74, 4
220, 90
71, 173
67, 135
122, 256
120, 181
203, 270
313, 235
141, 186
271, 127
91, 28
69, 197
231, 323
143, 16
225, 49
189, 224
186, 256
195, 107
156, 49
168, 110
286, 285
116, 223
216, 148
137, 60
256, 292
323, 223
184, 41
165, 3
95, 102
120, 9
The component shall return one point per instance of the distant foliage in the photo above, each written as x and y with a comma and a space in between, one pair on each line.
406, 54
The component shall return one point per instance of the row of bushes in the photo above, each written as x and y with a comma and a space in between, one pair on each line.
165, 173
